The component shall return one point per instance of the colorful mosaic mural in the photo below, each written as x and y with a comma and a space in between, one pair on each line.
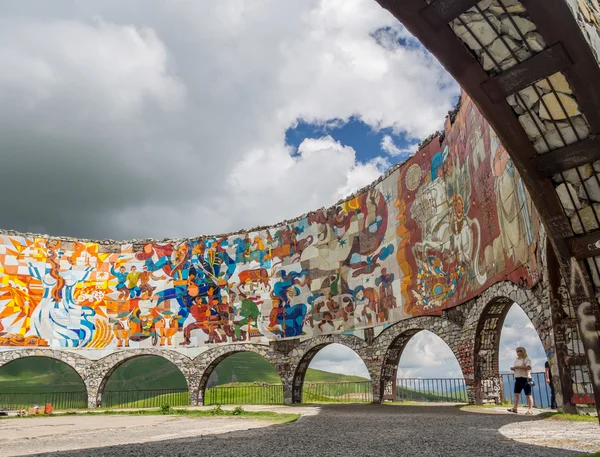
432, 234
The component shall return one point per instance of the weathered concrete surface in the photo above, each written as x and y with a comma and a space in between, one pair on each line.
577, 436
357, 430
52, 434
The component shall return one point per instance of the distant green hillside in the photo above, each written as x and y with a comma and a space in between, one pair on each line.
35, 373
146, 373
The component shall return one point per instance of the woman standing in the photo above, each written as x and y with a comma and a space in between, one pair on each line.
522, 369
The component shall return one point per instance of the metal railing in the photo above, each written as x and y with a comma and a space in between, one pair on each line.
15, 401
431, 390
272, 394
338, 392
250, 394
145, 398
541, 391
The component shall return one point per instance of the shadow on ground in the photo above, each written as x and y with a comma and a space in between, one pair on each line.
354, 430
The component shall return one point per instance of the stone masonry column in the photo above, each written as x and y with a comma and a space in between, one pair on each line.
286, 372
464, 352
92, 385
373, 359
458, 328
287, 359
193, 376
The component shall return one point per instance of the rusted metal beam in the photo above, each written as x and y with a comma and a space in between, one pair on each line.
586, 246
439, 12
569, 157
540, 66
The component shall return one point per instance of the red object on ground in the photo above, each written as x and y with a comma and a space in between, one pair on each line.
48, 408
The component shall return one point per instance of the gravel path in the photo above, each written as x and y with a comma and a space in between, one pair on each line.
356, 430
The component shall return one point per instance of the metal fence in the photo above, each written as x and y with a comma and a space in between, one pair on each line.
145, 398
541, 391
407, 389
431, 390
251, 394
272, 394
337, 392
15, 401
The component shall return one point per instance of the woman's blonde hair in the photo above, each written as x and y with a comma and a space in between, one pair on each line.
524, 351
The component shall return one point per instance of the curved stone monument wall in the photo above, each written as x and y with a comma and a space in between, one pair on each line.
431, 234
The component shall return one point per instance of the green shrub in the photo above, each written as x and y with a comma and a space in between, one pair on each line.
166, 409
217, 411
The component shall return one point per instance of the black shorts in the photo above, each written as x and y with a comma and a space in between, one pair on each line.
522, 384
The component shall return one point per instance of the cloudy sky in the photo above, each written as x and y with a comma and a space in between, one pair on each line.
170, 118
167, 118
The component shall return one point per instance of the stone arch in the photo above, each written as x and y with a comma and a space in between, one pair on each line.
392, 341
79, 364
207, 361
104, 368
306, 351
491, 310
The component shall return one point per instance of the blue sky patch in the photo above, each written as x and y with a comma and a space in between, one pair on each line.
355, 133
389, 38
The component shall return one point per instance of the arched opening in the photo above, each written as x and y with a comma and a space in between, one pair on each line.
144, 381
420, 366
488, 382
429, 371
240, 378
518, 330
332, 372
30, 381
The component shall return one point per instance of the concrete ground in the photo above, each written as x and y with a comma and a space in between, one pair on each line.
332, 430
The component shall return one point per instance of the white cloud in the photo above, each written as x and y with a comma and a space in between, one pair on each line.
336, 358
389, 147
519, 331
427, 356
125, 65
168, 118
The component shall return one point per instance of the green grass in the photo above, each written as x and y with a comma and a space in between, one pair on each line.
313, 375
244, 394
431, 396
216, 411
146, 373
144, 399
568, 417
346, 392
279, 418
29, 374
